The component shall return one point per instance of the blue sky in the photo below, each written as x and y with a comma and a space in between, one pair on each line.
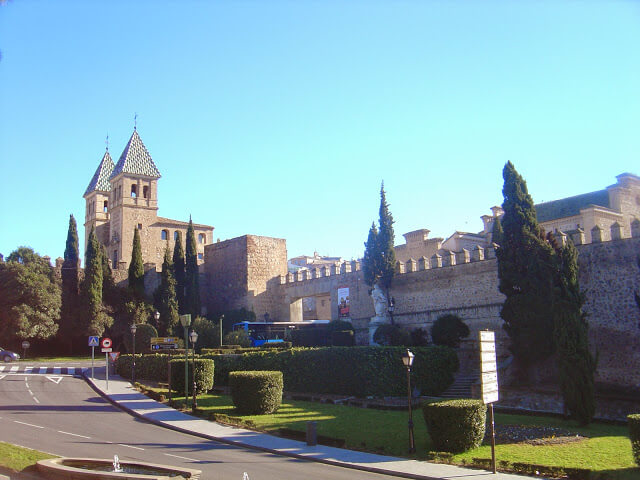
281, 118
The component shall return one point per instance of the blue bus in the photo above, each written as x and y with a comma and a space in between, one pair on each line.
273, 332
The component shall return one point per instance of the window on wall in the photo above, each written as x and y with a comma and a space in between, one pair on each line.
164, 234
201, 256
139, 226
145, 192
175, 236
134, 190
119, 191
105, 207
201, 238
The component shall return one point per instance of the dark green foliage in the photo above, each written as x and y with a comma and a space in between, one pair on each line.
455, 425
449, 330
280, 345
497, 234
634, 435
317, 336
148, 367
237, 337
343, 338
136, 267
576, 365
166, 302
379, 261
419, 337
525, 274
95, 317
144, 333
208, 333
179, 273
390, 335
257, 392
29, 298
357, 371
340, 325
204, 375
108, 284
70, 311
192, 275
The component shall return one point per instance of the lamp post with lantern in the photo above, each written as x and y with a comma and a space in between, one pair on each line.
194, 338
157, 317
185, 321
407, 360
390, 308
133, 330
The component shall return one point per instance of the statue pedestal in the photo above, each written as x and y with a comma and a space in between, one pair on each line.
374, 323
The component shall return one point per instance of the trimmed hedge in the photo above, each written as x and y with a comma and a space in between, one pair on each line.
634, 435
455, 425
357, 371
256, 393
204, 375
150, 367
343, 338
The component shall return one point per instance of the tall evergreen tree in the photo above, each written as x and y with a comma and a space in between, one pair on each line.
179, 273
385, 241
136, 267
192, 275
70, 288
370, 260
95, 317
576, 365
166, 302
525, 274
497, 234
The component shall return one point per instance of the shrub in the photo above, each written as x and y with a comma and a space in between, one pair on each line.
144, 333
391, 335
339, 326
208, 333
455, 425
281, 345
449, 330
310, 336
634, 435
256, 392
343, 338
419, 337
149, 366
204, 368
237, 337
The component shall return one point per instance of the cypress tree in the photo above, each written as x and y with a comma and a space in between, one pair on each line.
192, 275
70, 288
576, 365
385, 240
497, 234
179, 274
96, 320
525, 274
369, 261
165, 298
136, 267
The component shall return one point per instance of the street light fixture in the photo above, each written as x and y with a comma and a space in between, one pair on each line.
157, 317
391, 308
133, 329
194, 338
407, 360
185, 321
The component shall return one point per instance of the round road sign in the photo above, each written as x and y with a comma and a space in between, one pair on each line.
25, 344
106, 343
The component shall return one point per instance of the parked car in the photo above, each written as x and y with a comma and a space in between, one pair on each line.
8, 356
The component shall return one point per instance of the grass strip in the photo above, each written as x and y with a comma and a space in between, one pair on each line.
16, 459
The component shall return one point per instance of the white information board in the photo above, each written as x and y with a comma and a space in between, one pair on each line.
488, 367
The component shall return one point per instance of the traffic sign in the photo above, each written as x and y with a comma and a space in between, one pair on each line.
25, 344
94, 341
114, 356
106, 343
107, 350
164, 346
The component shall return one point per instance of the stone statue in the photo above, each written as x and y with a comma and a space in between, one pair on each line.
379, 301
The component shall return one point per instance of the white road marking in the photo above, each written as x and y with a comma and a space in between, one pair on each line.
1, 368
2, 376
14, 369
74, 434
55, 380
28, 424
130, 446
183, 458
37, 401
27, 370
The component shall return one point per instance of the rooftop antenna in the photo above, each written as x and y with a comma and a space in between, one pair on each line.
135, 121
107, 142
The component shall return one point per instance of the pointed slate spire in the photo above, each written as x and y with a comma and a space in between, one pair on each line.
135, 159
100, 180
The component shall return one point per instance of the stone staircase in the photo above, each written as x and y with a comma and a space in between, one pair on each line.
461, 386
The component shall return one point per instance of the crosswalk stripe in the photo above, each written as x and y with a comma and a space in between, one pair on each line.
13, 369
1, 368
27, 369
56, 370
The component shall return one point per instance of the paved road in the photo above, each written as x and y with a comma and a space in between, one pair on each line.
60, 414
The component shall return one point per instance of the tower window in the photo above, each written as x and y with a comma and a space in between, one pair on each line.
105, 207
139, 226
145, 191
200, 256
134, 190
164, 234
175, 236
201, 238
119, 191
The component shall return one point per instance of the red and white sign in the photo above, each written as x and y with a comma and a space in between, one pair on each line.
114, 356
106, 343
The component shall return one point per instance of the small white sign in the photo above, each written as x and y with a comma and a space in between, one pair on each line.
488, 367
486, 336
107, 350
488, 357
489, 377
490, 397
487, 346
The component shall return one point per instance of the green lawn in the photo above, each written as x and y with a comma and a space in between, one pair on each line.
17, 458
607, 451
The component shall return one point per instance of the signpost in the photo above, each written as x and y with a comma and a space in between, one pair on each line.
106, 349
164, 343
93, 343
489, 381
25, 345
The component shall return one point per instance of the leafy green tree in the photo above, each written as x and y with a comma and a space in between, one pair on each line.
192, 275
449, 330
30, 297
576, 365
136, 267
70, 288
208, 333
525, 274
179, 273
144, 334
95, 316
165, 298
496, 232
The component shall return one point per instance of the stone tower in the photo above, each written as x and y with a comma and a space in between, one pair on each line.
97, 201
133, 201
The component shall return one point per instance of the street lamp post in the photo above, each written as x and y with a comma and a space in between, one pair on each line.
133, 329
407, 360
157, 317
185, 321
194, 339
391, 308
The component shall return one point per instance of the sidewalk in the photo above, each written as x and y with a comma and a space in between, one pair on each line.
122, 394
